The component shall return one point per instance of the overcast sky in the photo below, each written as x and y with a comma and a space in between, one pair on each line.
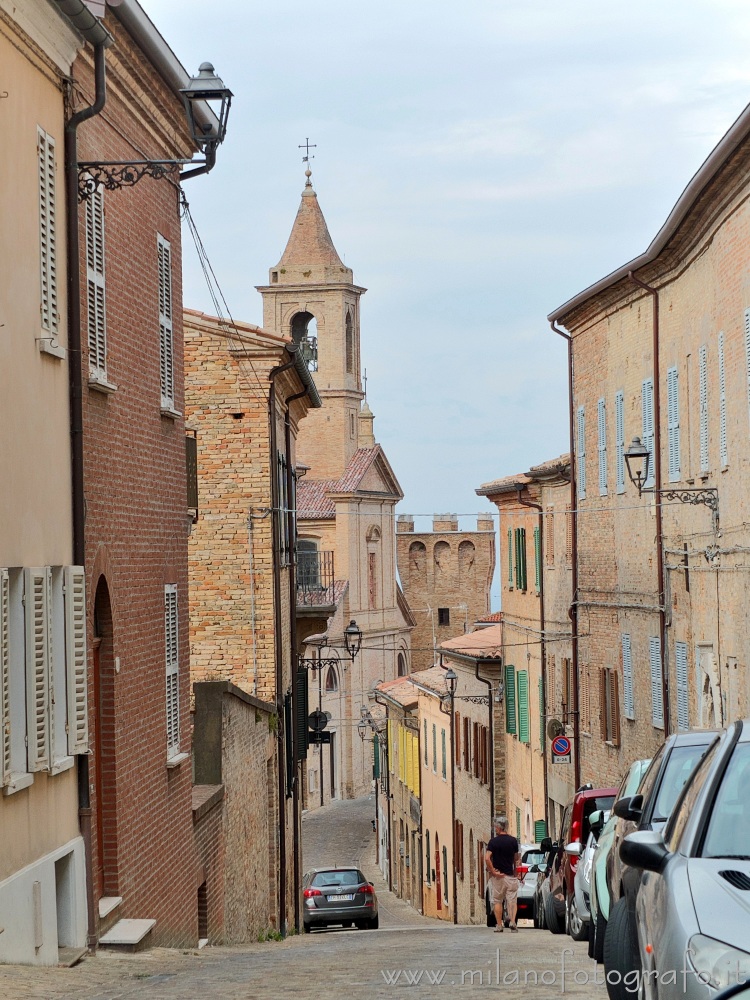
477, 163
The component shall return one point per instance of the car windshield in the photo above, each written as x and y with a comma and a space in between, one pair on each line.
679, 767
349, 877
534, 858
728, 834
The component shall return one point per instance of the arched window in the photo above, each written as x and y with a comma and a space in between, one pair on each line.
308, 564
349, 342
373, 544
401, 660
466, 558
304, 331
441, 554
417, 558
332, 681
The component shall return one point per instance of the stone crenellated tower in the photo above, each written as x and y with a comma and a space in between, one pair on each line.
312, 298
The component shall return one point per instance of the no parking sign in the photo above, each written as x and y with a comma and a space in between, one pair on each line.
561, 750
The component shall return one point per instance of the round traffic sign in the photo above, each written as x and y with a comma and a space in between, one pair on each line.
561, 746
317, 721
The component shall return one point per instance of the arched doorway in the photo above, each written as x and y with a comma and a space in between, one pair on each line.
105, 752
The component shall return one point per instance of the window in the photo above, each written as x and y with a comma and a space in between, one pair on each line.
510, 699
647, 414
703, 405
467, 745
434, 748
47, 234
602, 446
427, 857
332, 681
444, 757
657, 693
458, 848
569, 689
191, 468
681, 662
96, 298
673, 424
444, 616
523, 706
401, 665
609, 706
549, 537
520, 536
166, 334
282, 514
457, 738
620, 441
172, 668
581, 453
445, 872
308, 564
510, 558
538, 559
723, 453
627, 677
569, 515
349, 343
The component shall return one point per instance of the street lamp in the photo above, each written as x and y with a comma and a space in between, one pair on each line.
638, 460
352, 639
362, 729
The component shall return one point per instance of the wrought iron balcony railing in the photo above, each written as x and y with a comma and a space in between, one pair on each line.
315, 579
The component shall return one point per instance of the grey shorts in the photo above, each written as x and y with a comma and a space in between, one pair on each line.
503, 887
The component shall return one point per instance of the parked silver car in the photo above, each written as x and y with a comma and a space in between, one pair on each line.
693, 904
579, 909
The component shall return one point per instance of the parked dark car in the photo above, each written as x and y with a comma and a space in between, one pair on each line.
338, 896
692, 904
649, 809
576, 827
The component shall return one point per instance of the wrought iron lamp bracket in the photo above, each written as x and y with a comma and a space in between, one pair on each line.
120, 174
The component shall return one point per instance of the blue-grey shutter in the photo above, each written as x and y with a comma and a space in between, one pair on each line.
723, 452
657, 693
581, 470
602, 446
673, 424
703, 405
627, 678
681, 660
647, 413
620, 440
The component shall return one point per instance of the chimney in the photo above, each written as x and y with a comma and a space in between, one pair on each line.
404, 522
485, 522
445, 522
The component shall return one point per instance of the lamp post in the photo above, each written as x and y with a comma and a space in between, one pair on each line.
352, 639
638, 462
451, 683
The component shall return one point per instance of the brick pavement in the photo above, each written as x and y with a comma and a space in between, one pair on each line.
427, 957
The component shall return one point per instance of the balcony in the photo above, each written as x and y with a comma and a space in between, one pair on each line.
315, 580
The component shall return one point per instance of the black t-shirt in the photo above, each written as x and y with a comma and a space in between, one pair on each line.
503, 849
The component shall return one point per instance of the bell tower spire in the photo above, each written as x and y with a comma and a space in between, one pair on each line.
311, 297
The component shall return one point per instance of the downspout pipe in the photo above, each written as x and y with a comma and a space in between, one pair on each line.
653, 292
543, 644
573, 609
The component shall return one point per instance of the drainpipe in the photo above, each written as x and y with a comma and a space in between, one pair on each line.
75, 388
536, 506
657, 486
573, 609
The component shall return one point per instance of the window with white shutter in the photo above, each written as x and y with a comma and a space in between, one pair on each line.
47, 233
620, 440
4, 676
657, 692
647, 412
723, 452
39, 678
581, 469
166, 336
627, 678
673, 424
602, 446
681, 660
95, 284
172, 668
75, 659
703, 405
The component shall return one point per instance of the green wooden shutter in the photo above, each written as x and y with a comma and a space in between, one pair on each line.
376, 757
510, 699
518, 558
522, 555
537, 559
444, 761
540, 831
510, 557
523, 706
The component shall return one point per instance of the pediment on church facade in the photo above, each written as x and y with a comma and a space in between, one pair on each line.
369, 472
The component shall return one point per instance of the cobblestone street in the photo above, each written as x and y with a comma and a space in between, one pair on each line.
427, 958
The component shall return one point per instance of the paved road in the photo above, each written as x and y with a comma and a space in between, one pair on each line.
409, 956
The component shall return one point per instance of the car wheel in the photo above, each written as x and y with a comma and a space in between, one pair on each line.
553, 921
576, 927
590, 938
306, 928
346, 923
620, 951
374, 923
600, 929
361, 924
541, 915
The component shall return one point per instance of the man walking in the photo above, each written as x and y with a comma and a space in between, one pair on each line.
502, 858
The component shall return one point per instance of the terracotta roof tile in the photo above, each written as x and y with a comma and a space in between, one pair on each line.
400, 690
310, 242
313, 501
496, 616
485, 643
360, 462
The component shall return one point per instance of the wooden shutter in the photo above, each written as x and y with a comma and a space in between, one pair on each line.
521, 532
4, 677
75, 659
467, 745
415, 766
681, 660
549, 537
39, 686
540, 830
477, 750
602, 446
581, 453
457, 738
627, 677
510, 558
723, 451
443, 755
620, 441
97, 312
172, 670
166, 333
614, 702
703, 405
434, 748
538, 559
657, 702
47, 231
603, 703
426, 756
673, 424
647, 416
510, 699
523, 706
569, 532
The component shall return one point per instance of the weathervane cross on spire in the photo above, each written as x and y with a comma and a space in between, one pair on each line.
307, 147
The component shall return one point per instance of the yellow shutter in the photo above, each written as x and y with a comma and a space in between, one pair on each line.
415, 758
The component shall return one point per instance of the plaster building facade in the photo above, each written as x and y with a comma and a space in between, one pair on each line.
246, 392
345, 502
659, 350
446, 575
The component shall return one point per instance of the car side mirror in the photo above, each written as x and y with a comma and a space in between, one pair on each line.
574, 849
630, 807
596, 821
644, 849
546, 845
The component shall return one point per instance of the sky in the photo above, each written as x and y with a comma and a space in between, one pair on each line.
478, 163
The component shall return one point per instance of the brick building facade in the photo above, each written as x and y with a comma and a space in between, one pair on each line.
446, 575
